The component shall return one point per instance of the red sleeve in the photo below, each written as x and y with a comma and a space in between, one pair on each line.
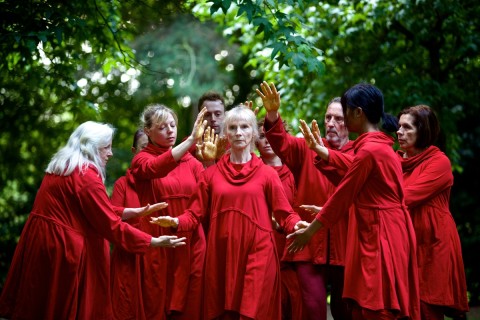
118, 195
346, 193
289, 148
336, 167
281, 208
146, 166
433, 178
197, 207
100, 214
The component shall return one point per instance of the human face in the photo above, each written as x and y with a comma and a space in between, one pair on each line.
141, 143
263, 146
239, 134
336, 132
214, 115
407, 133
105, 154
163, 134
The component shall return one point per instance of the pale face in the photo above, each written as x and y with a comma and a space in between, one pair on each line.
263, 146
214, 115
141, 143
163, 134
407, 133
336, 132
239, 134
105, 154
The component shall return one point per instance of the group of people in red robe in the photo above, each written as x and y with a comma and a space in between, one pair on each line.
234, 235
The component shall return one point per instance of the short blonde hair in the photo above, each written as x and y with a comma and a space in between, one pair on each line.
241, 112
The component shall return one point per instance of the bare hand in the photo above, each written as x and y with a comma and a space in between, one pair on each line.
301, 225
301, 238
149, 209
310, 139
270, 96
165, 221
168, 241
314, 210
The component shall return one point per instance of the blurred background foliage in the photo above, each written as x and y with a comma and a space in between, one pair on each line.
63, 63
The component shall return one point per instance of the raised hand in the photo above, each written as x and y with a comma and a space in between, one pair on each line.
165, 221
199, 126
270, 96
210, 141
249, 104
308, 135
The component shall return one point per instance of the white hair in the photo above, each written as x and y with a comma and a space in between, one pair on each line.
82, 149
241, 112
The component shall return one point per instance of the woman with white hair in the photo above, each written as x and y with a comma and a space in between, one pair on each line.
238, 194
60, 269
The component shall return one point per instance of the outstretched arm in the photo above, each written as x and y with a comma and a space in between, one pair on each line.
196, 135
129, 213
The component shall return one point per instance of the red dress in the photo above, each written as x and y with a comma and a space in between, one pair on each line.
242, 267
381, 266
428, 179
61, 266
125, 280
313, 188
171, 278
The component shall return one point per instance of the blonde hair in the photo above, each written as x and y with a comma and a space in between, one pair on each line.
156, 113
241, 112
82, 149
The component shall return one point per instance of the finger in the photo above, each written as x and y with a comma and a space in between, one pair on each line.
266, 88
260, 94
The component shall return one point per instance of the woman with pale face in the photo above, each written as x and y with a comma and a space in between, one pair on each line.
169, 283
427, 182
238, 195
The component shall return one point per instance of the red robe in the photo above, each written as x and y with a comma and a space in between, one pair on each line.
242, 267
61, 266
292, 303
313, 188
381, 266
428, 179
172, 278
125, 276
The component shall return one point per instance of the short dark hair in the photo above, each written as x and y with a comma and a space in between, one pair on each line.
426, 122
210, 96
137, 136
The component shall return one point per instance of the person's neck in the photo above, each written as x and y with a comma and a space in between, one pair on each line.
273, 161
338, 145
241, 156
412, 152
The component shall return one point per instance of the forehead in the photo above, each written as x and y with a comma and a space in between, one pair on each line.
335, 109
407, 119
168, 118
213, 106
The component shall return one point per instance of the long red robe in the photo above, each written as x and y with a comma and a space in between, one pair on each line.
292, 303
313, 188
125, 275
242, 265
172, 278
381, 266
428, 179
61, 266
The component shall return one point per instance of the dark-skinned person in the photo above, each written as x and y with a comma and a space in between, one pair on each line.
61, 265
381, 275
320, 266
239, 193
427, 183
